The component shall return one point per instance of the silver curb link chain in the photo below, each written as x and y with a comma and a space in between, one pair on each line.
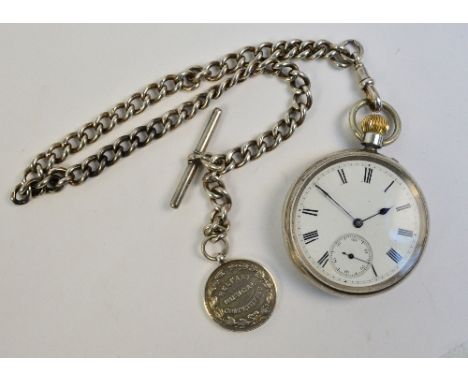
44, 174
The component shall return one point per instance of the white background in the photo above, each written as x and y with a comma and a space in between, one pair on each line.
108, 269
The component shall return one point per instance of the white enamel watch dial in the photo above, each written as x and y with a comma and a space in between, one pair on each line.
356, 222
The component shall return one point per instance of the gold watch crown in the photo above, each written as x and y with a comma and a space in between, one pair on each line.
375, 123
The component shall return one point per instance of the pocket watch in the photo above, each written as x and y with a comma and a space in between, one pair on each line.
356, 222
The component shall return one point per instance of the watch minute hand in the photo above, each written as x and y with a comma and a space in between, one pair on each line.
333, 200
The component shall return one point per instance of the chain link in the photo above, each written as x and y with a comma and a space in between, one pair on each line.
216, 231
44, 175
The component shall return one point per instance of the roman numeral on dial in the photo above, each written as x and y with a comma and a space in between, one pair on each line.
405, 232
324, 259
309, 237
368, 174
342, 175
390, 185
404, 207
394, 255
308, 211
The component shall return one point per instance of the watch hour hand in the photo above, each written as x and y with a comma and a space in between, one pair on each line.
382, 211
333, 200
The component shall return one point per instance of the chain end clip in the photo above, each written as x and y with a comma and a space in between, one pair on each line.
367, 84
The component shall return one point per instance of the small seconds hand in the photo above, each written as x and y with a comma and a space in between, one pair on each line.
351, 256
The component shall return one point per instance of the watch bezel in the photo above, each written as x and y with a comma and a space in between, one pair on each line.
293, 245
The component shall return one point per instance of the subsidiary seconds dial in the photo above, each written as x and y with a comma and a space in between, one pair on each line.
356, 222
351, 255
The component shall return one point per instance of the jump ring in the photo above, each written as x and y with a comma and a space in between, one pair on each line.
392, 137
357, 49
218, 256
